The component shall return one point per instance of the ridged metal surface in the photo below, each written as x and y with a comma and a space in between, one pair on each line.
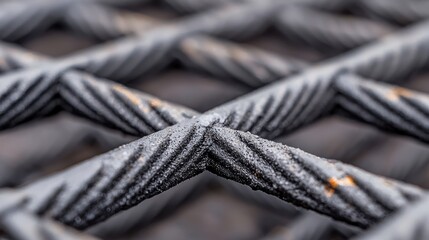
13, 217
324, 30
183, 143
129, 174
415, 217
391, 107
231, 119
402, 12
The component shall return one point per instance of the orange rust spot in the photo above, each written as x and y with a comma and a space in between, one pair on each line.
334, 183
127, 93
155, 103
397, 92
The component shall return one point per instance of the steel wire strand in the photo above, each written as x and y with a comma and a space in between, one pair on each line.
257, 198
340, 190
252, 114
359, 80
13, 217
167, 110
261, 199
388, 107
250, 66
397, 11
395, 55
311, 89
20, 19
223, 59
105, 23
396, 167
154, 208
19, 89
411, 223
13, 57
328, 31
267, 112
96, 99
123, 177
123, 59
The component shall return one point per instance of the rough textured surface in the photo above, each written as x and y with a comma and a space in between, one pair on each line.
85, 194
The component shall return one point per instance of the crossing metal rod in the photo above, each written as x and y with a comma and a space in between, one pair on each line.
416, 218
20, 19
194, 49
42, 81
324, 30
13, 217
258, 199
101, 101
171, 137
227, 60
157, 162
356, 79
198, 128
393, 166
157, 43
401, 12
390, 107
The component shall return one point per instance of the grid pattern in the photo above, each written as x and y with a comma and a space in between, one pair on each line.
231, 140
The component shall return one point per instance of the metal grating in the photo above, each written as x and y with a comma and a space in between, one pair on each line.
366, 44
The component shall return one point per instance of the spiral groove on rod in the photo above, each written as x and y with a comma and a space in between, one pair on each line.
179, 143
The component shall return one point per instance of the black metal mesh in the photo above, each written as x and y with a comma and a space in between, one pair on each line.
284, 65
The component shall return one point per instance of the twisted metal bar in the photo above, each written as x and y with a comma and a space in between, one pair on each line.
234, 121
415, 217
219, 58
247, 65
402, 12
167, 110
394, 167
42, 80
20, 19
324, 30
390, 107
126, 176
13, 217
105, 23
121, 60
12, 58
153, 208
276, 169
